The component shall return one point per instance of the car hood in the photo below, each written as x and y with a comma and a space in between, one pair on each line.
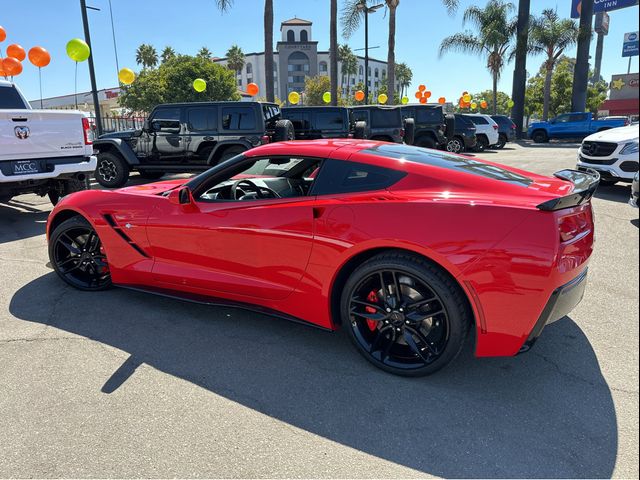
619, 134
153, 188
122, 134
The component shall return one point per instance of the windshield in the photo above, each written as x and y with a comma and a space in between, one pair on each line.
10, 99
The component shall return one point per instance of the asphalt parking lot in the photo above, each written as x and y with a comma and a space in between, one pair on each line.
124, 384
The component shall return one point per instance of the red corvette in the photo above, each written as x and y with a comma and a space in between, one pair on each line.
406, 248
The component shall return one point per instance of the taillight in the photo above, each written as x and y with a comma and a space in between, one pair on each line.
495, 127
513, 126
265, 139
402, 132
573, 224
88, 132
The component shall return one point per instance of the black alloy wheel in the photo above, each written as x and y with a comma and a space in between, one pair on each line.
404, 315
77, 255
502, 141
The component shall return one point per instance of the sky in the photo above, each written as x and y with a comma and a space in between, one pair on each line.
188, 25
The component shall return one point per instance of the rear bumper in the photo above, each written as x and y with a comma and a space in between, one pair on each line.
562, 301
54, 170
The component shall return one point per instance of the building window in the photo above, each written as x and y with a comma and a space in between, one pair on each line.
361, 70
384, 74
304, 36
249, 69
291, 37
298, 66
369, 71
323, 67
377, 73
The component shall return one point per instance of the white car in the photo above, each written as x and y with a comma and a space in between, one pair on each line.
486, 130
613, 153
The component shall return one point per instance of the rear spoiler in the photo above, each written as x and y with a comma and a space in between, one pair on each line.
585, 184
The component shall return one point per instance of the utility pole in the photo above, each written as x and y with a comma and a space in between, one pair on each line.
520, 73
602, 28
581, 71
92, 73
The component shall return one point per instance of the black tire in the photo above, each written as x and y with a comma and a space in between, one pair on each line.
455, 145
230, 153
409, 131
151, 175
77, 256
404, 320
481, 143
426, 142
450, 122
284, 131
112, 170
502, 141
540, 136
67, 187
360, 130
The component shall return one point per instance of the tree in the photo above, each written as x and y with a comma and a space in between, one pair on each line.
146, 56
167, 54
333, 52
205, 53
172, 82
551, 36
235, 59
314, 89
487, 95
349, 65
404, 76
495, 32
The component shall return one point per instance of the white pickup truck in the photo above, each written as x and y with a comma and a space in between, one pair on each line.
47, 152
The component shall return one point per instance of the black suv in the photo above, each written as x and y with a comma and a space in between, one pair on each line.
312, 123
188, 137
506, 130
384, 123
464, 137
430, 125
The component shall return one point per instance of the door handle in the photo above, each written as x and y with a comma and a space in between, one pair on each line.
317, 212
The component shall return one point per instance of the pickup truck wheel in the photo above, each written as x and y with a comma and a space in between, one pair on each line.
67, 187
151, 175
112, 171
540, 136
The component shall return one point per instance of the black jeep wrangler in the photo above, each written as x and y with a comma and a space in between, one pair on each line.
188, 137
384, 123
312, 123
432, 128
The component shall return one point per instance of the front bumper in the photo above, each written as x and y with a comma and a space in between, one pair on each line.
562, 301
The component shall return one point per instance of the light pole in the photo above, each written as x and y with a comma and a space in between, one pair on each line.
362, 7
92, 73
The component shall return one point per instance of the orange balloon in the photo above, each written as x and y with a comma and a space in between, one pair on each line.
427, 94
252, 89
359, 95
422, 88
418, 95
39, 57
483, 104
423, 100
16, 51
2, 74
3, 34
442, 100
11, 66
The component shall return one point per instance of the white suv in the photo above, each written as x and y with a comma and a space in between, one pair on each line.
486, 130
613, 153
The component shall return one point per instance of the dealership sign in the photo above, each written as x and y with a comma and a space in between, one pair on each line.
601, 6
630, 46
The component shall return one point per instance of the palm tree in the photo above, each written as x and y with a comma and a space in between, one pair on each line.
235, 59
205, 53
167, 54
333, 51
404, 76
494, 37
348, 67
551, 36
146, 56
352, 16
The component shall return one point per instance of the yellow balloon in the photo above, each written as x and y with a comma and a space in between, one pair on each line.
294, 98
510, 103
199, 85
126, 76
405, 100
474, 105
466, 97
326, 97
382, 98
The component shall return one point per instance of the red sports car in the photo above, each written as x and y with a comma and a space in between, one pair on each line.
405, 248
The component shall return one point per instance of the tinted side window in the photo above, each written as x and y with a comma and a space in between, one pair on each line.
202, 119
10, 99
478, 120
360, 115
300, 120
429, 115
382, 118
578, 117
337, 176
408, 112
172, 113
238, 118
329, 121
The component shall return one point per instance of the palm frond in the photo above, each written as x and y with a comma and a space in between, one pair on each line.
350, 17
224, 5
461, 42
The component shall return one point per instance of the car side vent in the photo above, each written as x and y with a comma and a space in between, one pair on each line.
112, 223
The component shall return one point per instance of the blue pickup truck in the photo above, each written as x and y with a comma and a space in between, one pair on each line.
571, 125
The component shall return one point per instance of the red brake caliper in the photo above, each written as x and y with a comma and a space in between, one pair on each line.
373, 298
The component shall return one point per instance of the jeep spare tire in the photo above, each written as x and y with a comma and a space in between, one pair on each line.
284, 131
409, 131
360, 129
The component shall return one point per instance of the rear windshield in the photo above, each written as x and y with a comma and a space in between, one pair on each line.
460, 120
10, 99
452, 162
385, 118
501, 119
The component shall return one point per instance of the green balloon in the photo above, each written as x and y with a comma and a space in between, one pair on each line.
78, 50
510, 103
326, 96
199, 85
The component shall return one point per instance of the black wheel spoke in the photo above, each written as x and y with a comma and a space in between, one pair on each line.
396, 284
380, 335
384, 354
408, 337
367, 304
67, 242
415, 317
420, 303
421, 338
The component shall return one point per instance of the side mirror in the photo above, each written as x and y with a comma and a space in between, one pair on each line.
180, 196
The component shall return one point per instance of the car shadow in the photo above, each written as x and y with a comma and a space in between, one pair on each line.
20, 220
551, 144
619, 192
547, 413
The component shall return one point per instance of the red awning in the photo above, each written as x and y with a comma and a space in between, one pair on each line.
621, 107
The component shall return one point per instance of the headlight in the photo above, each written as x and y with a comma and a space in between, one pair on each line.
629, 148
